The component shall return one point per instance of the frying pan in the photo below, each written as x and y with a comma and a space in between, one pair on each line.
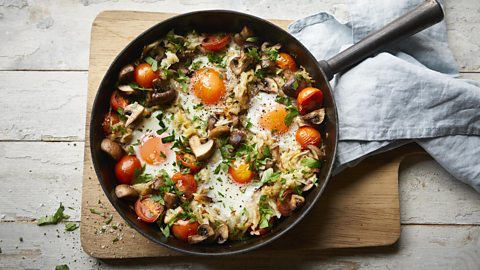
423, 16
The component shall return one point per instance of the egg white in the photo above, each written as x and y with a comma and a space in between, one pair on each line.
148, 127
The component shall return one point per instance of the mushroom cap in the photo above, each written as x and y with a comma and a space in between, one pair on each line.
112, 148
201, 151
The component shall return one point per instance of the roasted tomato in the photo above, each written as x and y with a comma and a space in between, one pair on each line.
185, 183
285, 61
144, 75
216, 43
309, 99
308, 136
125, 169
109, 120
241, 173
208, 85
283, 205
148, 210
118, 101
189, 161
182, 229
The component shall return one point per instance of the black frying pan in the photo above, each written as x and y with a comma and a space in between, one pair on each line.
420, 18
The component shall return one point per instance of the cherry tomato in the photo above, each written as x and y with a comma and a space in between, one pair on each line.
241, 173
189, 161
144, 75
148, 210
216, 43
109, 120
185, 183
283, 205
308, 136
125, 169
118, 101
309, 99
182, 229
208, 85
286, 61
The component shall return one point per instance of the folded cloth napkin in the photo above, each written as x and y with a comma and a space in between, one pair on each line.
410, 93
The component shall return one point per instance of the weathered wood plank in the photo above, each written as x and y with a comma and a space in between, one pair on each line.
37, 177
47, 106
34, 28
420, 247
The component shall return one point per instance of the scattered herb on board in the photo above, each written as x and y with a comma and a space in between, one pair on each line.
62, 267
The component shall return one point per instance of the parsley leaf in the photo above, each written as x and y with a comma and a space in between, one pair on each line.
269, 176
165, 230
152, 62
252, 39
55, 218
139, 176
70, 226
136, 86
253, 52
311, 163
169, 138
217, 58
292, 109
62, 267
266, 212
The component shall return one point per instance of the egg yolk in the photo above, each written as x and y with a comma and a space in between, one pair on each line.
153, 151
274, 120
208, 85
241, 173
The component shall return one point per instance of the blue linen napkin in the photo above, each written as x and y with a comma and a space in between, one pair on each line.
410, 93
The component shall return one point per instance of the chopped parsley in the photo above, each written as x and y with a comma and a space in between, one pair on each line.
266, 212
292, 109
195, 65
139, 176
311, 163
136, 86
253, 52
169, 138
70, 226
152, 62
252, 39
55, 218
62, 267
217, 58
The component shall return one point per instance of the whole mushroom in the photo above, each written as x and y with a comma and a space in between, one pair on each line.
112, 148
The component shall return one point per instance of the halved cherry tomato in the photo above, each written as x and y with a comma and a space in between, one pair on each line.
189, 161
144, 75
182, 229
283, 205
148, 210
309, 99
109, 120
308, 136
208, 85
216, 43
185, 183
118, 101
286, 61
125, 169
241, 173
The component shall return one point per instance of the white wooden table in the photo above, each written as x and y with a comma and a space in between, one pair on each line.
43, 83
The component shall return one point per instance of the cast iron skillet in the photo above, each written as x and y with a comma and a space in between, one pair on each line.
420, 18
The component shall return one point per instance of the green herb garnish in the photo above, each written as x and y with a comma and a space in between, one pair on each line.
55, 218
71, 226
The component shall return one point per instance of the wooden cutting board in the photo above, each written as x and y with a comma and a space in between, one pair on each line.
360, 207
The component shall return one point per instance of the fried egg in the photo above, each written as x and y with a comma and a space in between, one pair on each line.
267, 118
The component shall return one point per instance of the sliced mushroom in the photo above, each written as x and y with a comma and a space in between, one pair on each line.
267, 64
124, 191
315, 117
112, 148
133, 111
294, 85
171, 200
296, 201
241, 38
202, 151
126, 89
236, 137
202, 198
270, 86
204, 233
275, 151
154, 50
308, 186
143, 188
221, 233
126, 74
211, 122
239, 64
163, 93
218, 132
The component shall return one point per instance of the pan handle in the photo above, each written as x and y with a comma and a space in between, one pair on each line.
423, 16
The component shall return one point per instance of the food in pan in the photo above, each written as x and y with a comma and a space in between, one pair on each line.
215, 136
